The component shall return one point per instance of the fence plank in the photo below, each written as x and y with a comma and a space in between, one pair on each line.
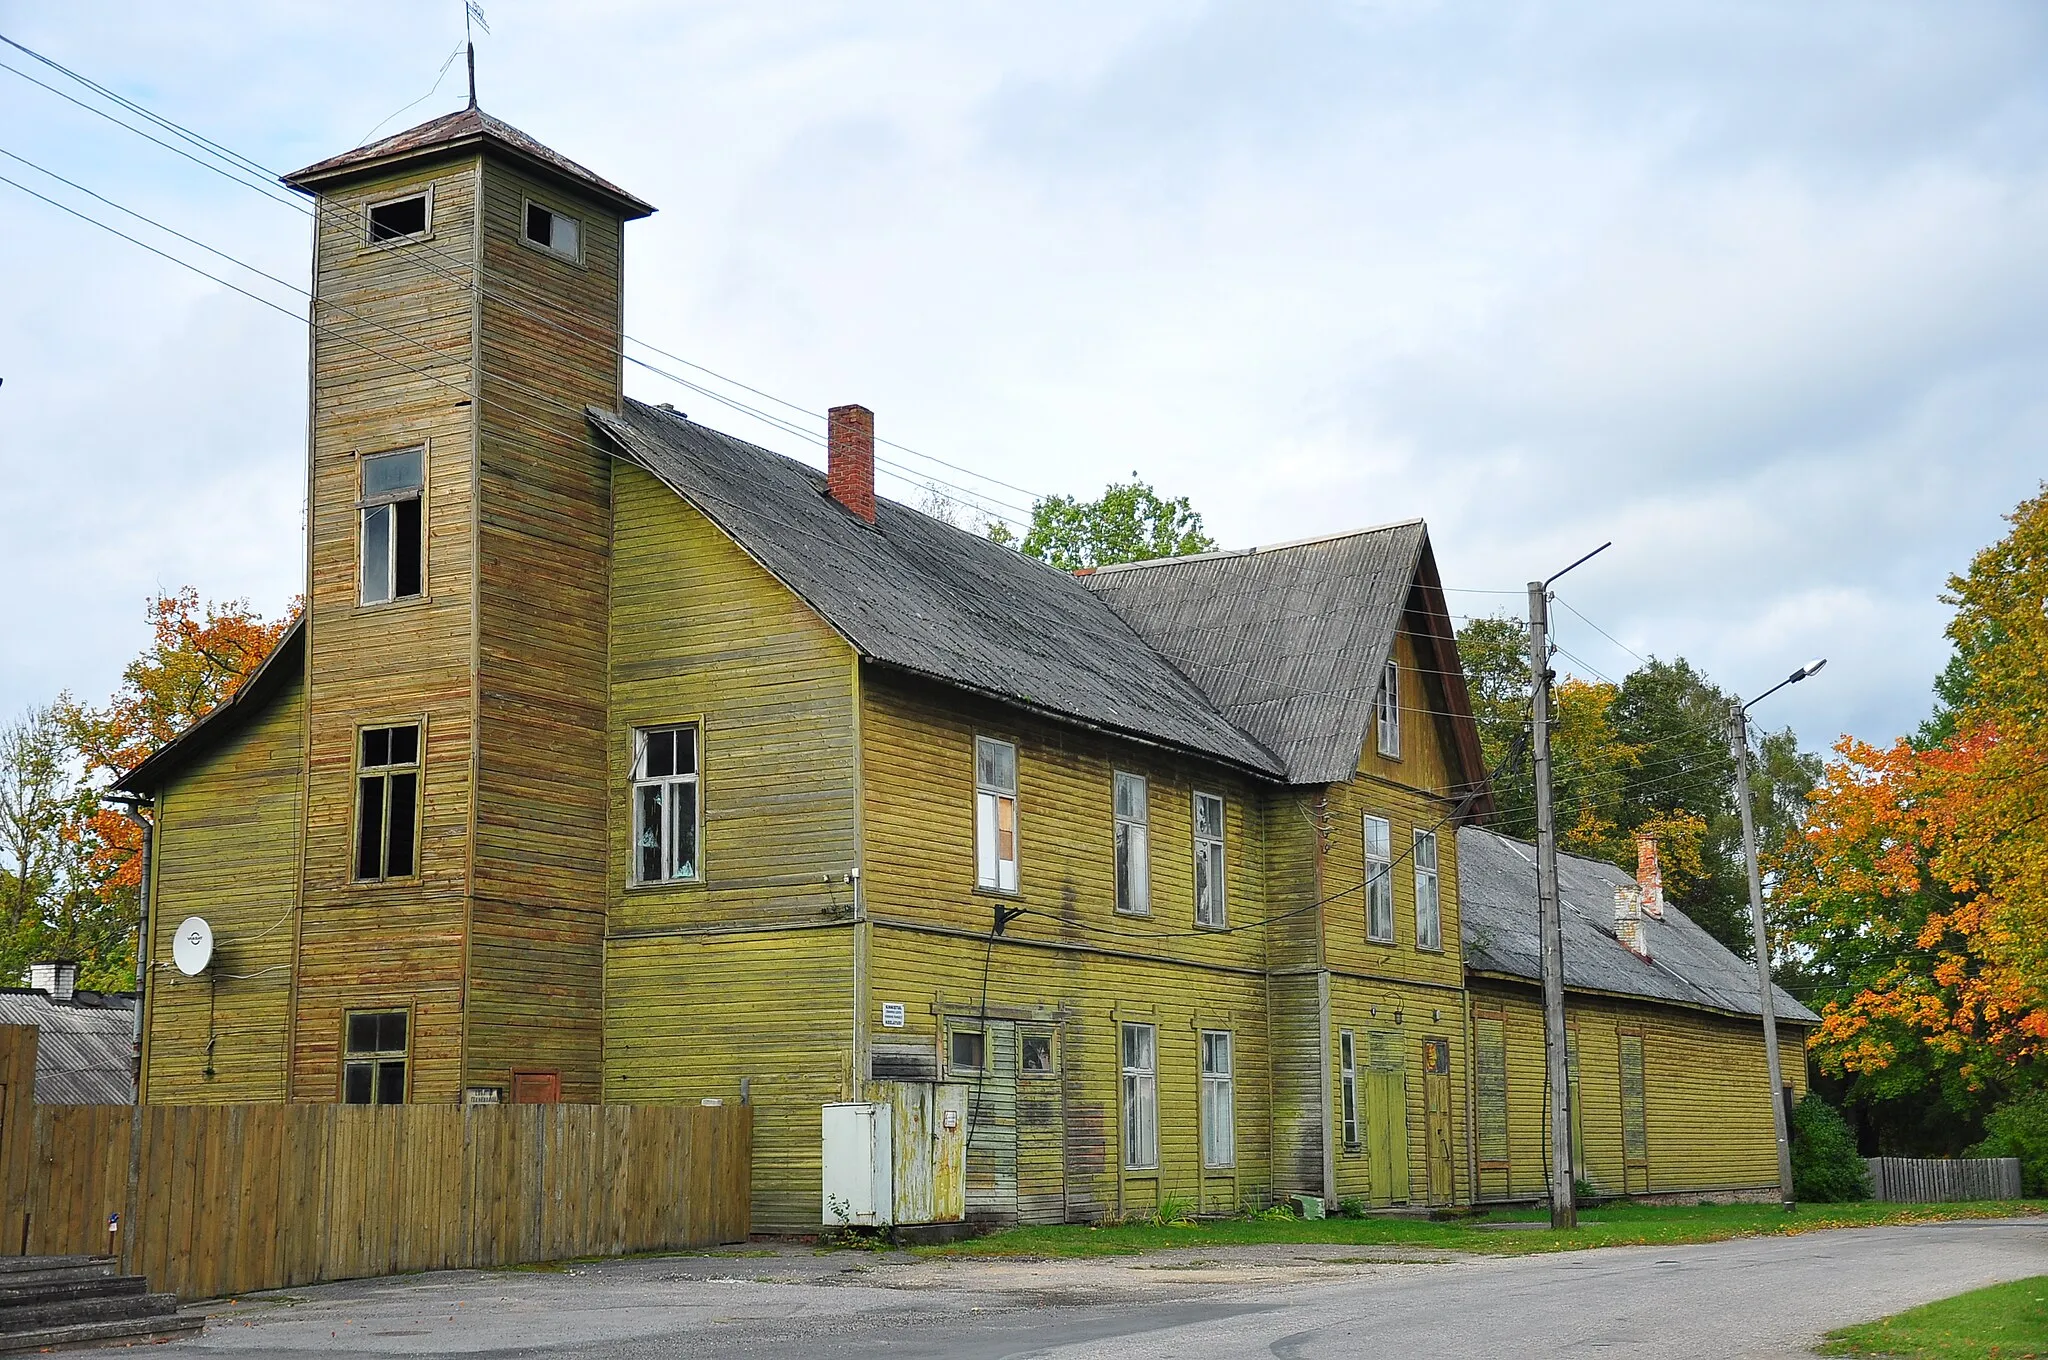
1938, 1180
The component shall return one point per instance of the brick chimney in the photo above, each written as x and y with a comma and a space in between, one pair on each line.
1650, 877
1628, 920
57, 980
850, 459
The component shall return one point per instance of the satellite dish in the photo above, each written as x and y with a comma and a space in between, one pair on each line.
192, 946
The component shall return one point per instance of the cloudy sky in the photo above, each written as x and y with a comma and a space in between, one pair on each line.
1757, 291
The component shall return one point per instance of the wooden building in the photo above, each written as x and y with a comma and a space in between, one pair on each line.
615, 758
1665, 1041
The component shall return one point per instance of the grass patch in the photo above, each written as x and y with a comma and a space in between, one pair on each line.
2006, 1320
1613, 1226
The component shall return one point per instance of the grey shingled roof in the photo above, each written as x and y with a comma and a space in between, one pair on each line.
465, 127
1497, 912
1289, 641
83, 1048
912, 592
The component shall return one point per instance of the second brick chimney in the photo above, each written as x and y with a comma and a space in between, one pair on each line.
1628, 920
1650, 877
850, 459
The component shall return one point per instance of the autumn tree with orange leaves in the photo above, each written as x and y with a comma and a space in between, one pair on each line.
74, 865
1918, 896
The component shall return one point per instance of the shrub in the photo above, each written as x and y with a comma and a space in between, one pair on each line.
2019, 1128
1825, 1166
1353, 1207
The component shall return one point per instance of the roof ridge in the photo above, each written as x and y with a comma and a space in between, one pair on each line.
1220, 553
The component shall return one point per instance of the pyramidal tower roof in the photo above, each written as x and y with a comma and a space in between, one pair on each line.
461, 130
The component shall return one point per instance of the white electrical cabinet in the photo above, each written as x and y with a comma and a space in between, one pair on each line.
859, 1157
899, 1159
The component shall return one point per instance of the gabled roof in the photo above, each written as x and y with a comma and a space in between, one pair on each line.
465, 128
1290, 641
914, 593
84, 1047
1497, 912
286, 662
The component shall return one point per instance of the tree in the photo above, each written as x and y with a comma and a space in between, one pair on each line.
35, 805
1129, 522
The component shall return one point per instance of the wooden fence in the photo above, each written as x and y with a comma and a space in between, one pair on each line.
232, 1198
1916, 1180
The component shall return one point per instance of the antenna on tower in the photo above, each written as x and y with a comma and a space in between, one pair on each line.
472, 14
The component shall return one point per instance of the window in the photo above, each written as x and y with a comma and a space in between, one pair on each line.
966, 1050
1141, 1098
995, 814
1490, 1049
1036, 1055
1133, 862
373, 1061
397, 218
553, 232
387, 801
1219, 1103
665, 805
394, 539
1209, 895
1347, 1067
1389, 717
1429, 919
1379, 880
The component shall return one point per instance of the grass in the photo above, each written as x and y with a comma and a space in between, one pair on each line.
2006, 1320
1613, 1226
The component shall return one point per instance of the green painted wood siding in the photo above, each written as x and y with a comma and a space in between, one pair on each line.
227, 849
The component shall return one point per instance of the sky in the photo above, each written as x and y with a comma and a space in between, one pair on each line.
1757, 292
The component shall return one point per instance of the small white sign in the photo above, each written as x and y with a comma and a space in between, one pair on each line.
892, 1015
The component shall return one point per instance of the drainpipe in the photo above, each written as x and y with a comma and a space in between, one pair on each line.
129, 805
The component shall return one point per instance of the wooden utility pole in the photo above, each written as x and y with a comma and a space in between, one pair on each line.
1563, 1211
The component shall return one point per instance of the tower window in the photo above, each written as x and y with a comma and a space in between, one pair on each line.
387, 802
393, 490
399, 217
373, 1069
553, 232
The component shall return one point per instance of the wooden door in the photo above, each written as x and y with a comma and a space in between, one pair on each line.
536, 1088
1436, 1117
1386, 1100
1041, 1126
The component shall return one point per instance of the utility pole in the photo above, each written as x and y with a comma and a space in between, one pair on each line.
1564, 1212
1738, 742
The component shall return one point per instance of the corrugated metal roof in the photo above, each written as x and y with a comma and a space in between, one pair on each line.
915, 593
84, 1047
1289, 641
455, 129
1497, 911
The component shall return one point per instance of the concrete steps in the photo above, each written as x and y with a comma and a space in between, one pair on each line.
53, 1302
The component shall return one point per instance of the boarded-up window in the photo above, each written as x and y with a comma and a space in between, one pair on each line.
1490, 1049
1133, 849
1635, 1134
995, 814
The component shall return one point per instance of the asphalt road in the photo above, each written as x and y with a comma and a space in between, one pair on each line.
1758, 1297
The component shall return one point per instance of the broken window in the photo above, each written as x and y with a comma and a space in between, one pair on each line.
373, 1058
995, 814
1037, 1054
554, 232
399, 217
1388, 720
1219, 1101
1347, 1074
1209, 895
387, 801
1141, 1098
394, 540
1429, 922
1379, 880
1133, 855
665, 811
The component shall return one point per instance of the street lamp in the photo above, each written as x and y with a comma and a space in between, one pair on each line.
1738, 741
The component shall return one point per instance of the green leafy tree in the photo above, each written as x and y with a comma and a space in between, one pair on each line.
1129, 522
1825, 1166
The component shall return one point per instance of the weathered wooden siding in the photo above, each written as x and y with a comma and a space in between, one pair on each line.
1402, 1017
747, 973
693, 1016
227, 849
1070, 960
1709, 1128
401, 943
549, 331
